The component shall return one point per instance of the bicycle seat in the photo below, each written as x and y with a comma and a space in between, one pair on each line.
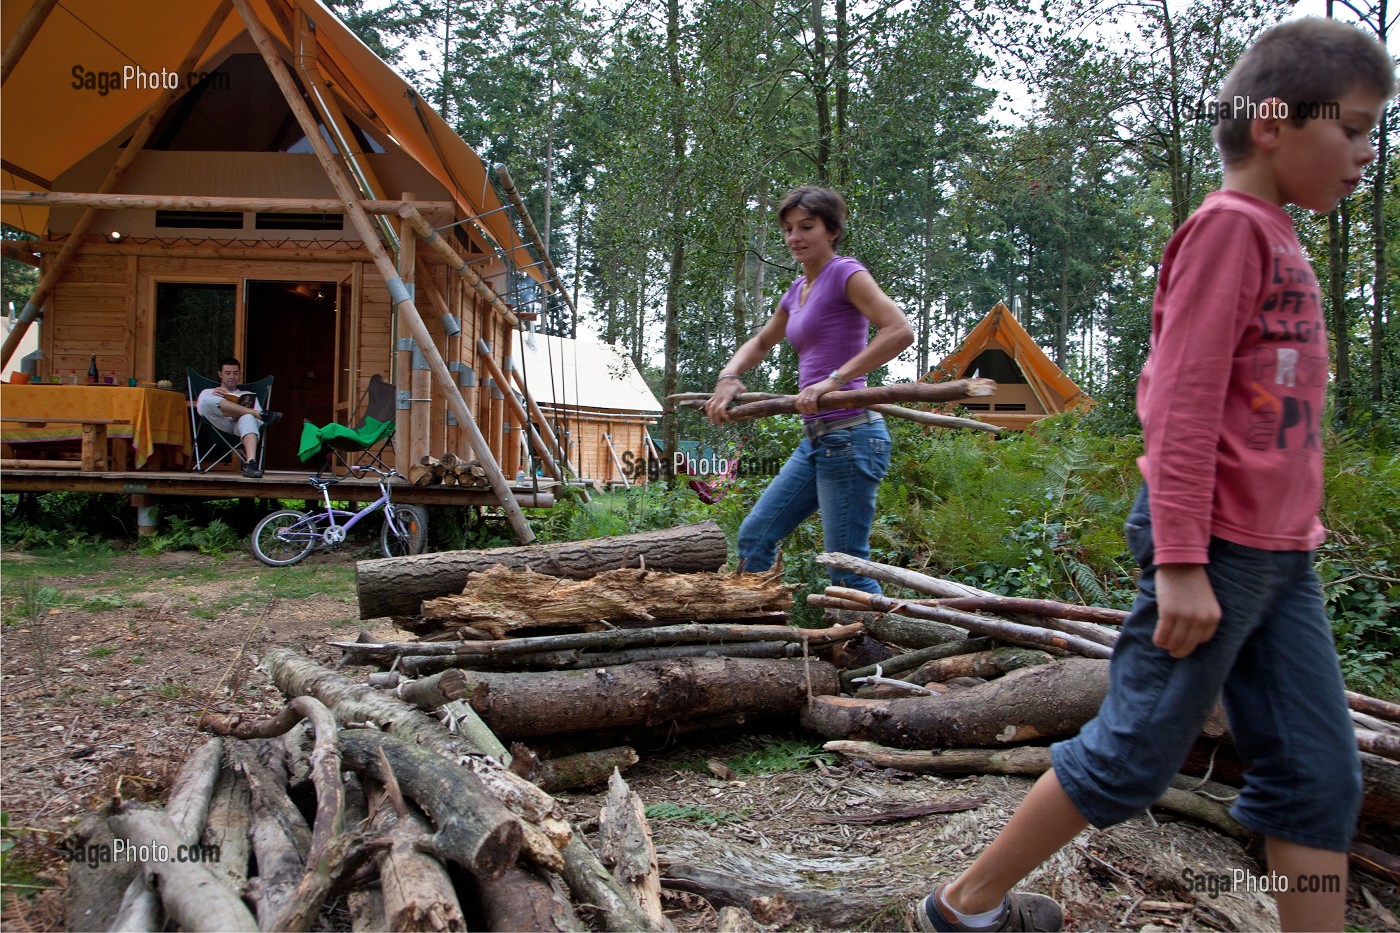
323, 482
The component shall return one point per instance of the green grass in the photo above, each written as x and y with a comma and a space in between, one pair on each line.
692, 814
783, 754
101, 651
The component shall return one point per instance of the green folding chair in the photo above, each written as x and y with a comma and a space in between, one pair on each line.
363, 444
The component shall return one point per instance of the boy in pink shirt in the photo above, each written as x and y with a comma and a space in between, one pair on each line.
1224, 528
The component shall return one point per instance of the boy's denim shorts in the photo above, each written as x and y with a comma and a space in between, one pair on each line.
1274, 661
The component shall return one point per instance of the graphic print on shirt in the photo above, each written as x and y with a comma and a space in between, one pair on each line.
1290, 362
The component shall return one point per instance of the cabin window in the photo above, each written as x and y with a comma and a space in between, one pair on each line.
976, 406
200, 220
996, 365
300, 222
194, 328
1010, 406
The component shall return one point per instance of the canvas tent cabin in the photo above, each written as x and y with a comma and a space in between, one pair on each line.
1029, 384
597, 403
247, 177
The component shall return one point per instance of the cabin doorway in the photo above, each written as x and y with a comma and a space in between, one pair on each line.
291, 334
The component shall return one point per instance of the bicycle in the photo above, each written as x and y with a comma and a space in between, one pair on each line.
287, 536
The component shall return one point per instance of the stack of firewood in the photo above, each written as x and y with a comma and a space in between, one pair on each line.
448, 470
570, 654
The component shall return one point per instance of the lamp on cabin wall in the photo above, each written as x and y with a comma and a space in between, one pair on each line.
114, 236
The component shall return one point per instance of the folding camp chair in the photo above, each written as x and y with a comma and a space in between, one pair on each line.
362, 444
212, 446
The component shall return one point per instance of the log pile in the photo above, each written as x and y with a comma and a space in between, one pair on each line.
544, 670
448, 470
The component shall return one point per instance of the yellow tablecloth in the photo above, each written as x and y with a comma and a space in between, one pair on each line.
157, 416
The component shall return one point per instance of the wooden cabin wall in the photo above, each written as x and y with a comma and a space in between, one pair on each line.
589, 452
91, 313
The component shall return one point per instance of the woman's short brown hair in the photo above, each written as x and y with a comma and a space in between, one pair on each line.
819, 202
1304, 63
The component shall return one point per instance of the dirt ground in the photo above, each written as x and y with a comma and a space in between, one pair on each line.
98, 696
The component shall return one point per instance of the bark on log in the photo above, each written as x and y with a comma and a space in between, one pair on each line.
592, 884
992, 663
522, 900
823, 911
1030, 636
660, 636
417, 891
1039, 702
280, 837
462, 720
860, 398
901, 663
95, 889
583, 769
188, 808
891, 628
546, 831
499, 600
1006, 605
522, 705
190, 894
937, 587
696, 401
585, 660
227, 826
1378, 743
624, 841
397, 586
1381, 709
472, 828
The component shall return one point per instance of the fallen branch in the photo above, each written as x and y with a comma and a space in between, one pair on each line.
862, 398
1005, 605
901, 663
697, 400
625, 841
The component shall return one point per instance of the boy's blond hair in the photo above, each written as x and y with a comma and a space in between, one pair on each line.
1306, 64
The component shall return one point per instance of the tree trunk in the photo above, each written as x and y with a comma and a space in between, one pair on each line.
626, 846
583, 769
398, 585
499, 601
472, 828
417, 892
1049, 701
521, 705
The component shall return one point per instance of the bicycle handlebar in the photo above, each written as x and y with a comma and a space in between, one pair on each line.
358, 470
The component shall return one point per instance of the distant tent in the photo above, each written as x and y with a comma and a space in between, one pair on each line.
1029, 385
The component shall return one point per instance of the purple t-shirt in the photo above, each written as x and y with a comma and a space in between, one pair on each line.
827, 331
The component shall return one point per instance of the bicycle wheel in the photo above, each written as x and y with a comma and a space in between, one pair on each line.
405, 530
285, 537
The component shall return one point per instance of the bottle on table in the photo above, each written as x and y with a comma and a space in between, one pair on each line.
92, 371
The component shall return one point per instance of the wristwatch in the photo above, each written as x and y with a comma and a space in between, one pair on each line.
836, 375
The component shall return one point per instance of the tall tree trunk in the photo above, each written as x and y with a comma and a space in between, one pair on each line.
740, 311
670, 381
1338, 232
819, 94
1378, 281
843, 88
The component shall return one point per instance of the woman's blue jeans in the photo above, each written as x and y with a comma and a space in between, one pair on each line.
838, 473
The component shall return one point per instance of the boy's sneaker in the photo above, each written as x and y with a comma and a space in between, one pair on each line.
1020, 911
251, 471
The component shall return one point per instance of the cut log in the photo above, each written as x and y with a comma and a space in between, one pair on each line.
1378, 743
592, 884
908, 662
472, 828
420, 475
1048, 701
500, 600
901, 630
227, 827
625, 846
843, 911
583, 769
396, 586
280, 837
188, 808
992, 663
1008, 605
95, 888
661, 636
934, 586
192, 897
1016, 633
417, 891
519, 705
1381, 709
523, 900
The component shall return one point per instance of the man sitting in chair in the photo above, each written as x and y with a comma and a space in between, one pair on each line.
237, 413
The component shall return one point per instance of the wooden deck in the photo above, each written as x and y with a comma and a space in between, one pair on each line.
275, 484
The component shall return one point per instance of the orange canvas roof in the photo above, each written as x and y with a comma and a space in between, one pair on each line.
47, 124
1000, 330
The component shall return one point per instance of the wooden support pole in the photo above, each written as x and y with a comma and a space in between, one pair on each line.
403, 303
510, 421
613, 450
441, 247
547, 432
134, 147
508, 184
28, 29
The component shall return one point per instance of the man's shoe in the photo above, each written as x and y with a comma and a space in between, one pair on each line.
251, 471
1020, 911
270, 418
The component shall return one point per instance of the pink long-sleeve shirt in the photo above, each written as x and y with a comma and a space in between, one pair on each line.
1231, 397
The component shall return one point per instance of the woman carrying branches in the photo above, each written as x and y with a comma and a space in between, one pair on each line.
826, 315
